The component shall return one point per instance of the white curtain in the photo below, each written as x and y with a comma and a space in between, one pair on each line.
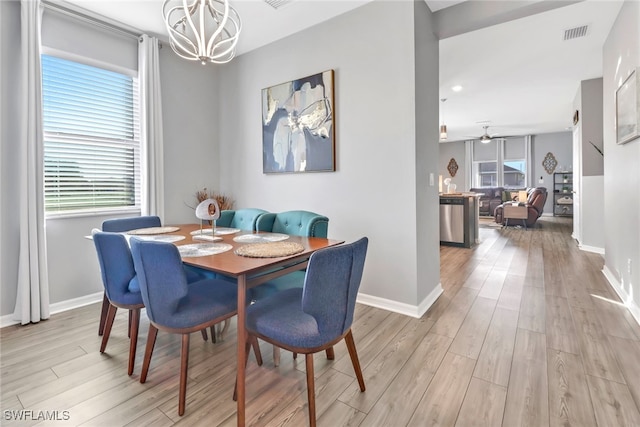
468, 164
151, 124
530, 181
32, 300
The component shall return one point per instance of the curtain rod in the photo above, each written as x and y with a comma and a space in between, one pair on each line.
89, 17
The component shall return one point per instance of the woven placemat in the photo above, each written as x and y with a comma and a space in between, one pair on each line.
269, 250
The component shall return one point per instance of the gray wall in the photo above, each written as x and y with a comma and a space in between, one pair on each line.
591, 126
427, 146
622, 162
9, 99
560, 144
190, 157
373, 191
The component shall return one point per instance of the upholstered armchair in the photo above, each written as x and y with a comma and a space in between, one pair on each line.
535, 205
244, 219
121, 287
174, 306
297, 223
314, 318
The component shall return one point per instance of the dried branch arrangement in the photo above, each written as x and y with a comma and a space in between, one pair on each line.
225, 202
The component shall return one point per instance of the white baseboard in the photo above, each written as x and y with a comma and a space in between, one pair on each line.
58, 307
593, 249
399, 307
627, 300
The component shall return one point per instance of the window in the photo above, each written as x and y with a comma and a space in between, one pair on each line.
91, 137
514, 172
501, 162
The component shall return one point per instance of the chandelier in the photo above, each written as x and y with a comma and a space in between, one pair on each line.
202, 30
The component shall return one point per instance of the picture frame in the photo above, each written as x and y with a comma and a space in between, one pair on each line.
628, 109
298, 125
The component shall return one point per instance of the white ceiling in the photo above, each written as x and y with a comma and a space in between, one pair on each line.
518, 76
521, 76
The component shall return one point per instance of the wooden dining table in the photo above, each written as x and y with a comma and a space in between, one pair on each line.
248, 272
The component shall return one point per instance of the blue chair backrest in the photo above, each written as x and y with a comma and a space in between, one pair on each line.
116, 266
162, 279
296, 223
119, 225
331, 286
244, 219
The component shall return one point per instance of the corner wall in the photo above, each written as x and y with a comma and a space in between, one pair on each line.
621, 54
373, 190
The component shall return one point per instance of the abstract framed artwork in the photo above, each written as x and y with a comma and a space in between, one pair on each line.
628, 109
298, 125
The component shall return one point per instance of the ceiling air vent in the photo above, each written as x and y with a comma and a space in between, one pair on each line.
574, 33
277, 4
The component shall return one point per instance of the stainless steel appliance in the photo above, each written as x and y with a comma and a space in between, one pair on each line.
452, 220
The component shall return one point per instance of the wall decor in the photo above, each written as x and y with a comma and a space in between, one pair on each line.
549, 163
628, 109
298, 128
452, 167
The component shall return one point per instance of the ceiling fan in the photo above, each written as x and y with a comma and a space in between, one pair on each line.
486, 138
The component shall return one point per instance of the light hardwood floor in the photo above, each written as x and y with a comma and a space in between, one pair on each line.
526, 333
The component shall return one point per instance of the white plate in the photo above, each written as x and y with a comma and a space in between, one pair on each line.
203, 231
220, 231
203, 249
207, 238
171, 238
260, 238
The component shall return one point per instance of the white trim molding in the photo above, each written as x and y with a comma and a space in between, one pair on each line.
399, 307
593, 249
627, 300
59, 307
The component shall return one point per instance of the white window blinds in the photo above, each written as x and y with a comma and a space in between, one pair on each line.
91, 137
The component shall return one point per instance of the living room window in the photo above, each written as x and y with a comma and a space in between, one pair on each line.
500, 163
91, 137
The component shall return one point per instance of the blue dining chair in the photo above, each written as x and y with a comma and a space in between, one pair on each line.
243, 219
121, 225
314, 318
120, 285
175, 307
297, 223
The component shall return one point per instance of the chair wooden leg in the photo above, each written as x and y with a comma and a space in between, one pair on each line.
311, 390
129, 324
133, 340
351, 346
184, 365
204, 334
256, 349
225, 328
151, 341
103, 313
111, 314
213, 333
276, 356
331, 355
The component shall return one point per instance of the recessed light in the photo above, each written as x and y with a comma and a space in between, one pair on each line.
456, 88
